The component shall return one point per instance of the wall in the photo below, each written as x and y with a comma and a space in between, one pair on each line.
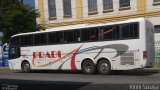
138, 8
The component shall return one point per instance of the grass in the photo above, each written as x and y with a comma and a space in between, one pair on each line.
157, 64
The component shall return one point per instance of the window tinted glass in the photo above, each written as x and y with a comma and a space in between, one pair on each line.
27, 40
129, 30
55, 37
71, 36
89, 34
134, 30
15, 41
125, 31
40, 39
110, 32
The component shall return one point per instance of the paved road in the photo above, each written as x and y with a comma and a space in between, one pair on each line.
56, 80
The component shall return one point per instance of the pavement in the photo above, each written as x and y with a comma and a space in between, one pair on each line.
144, 79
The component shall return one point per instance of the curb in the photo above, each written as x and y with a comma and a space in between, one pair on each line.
4, 68
147, 70
152, 69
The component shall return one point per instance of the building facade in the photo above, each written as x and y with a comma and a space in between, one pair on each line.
55, 13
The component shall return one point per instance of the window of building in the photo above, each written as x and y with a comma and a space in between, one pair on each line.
156, 0
89, 34
40, 39
157, 28
107, 4
92, 5
124, 3
55, 37
52, 8
67, 10
27, 40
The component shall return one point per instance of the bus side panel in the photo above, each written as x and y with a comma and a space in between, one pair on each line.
150, 47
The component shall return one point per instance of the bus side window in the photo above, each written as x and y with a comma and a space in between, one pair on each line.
27, 40
129, 31
110, 33
40, 39
94, 34
89, 34
15, 41
55, 37
71, 36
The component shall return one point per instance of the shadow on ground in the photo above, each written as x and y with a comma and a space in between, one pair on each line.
40, 85
13, 84
137, 72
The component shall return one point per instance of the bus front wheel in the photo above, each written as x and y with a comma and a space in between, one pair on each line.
104, 67
26, 67
88, 67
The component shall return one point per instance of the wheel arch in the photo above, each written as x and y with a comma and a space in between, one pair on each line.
24, 61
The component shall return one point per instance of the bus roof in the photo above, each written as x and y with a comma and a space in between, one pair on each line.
81, 26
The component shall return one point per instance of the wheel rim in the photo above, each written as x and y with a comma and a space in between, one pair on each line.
26, 67
88, 67
104, 67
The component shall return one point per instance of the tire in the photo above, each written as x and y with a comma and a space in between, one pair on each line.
26, 67
88, 67
104, 67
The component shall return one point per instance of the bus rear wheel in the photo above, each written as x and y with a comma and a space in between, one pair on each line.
26, 67
104, 67
88, 67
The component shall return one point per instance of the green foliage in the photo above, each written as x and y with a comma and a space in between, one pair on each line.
16, 17
157, 64
157, 59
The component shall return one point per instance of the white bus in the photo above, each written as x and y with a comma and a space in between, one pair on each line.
103, 47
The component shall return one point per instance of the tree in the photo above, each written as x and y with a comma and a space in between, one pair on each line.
16, 17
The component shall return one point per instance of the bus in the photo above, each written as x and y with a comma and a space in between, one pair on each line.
101, 48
